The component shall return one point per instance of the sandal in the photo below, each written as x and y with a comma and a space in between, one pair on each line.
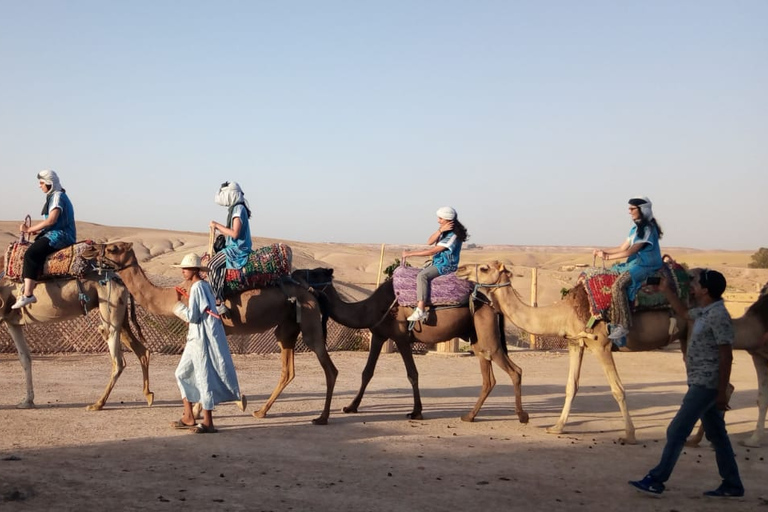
202, 429
179, 424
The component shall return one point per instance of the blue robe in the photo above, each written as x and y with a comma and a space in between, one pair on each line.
206, 372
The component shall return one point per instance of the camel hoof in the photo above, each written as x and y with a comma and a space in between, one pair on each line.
320, 421
554, 430
94, 407
349, 409
26, 404
692, 443
626, 440
415, 416
150, 399
469, 418
523, 417
750, 443
260, 413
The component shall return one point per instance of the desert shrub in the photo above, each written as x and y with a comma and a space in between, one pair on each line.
760, 259
391, 269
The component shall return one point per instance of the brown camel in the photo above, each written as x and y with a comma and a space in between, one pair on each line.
650, 330
59, 300
386, 320
251, 312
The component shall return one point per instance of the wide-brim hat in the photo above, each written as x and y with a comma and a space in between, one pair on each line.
192, 260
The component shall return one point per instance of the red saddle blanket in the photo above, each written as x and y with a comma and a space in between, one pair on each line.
598, 283
265, 267
446, 290
67, 262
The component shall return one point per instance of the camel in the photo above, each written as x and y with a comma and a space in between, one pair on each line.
59, 300
252, 311
386, 320
650, 331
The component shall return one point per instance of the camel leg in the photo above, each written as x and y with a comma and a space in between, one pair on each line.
605, 356
761, 367
316, 342
406, 353
142, 353
377, 342
118, 364
489, 382
516, 374
22, 348
576, 356
287, 373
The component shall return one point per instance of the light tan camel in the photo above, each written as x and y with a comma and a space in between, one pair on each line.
59, 300
251, 312
386, 320
649, 331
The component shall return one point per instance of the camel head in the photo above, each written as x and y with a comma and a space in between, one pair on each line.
485, 273
113, 255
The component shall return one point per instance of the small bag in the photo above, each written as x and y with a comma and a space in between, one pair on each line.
219, 243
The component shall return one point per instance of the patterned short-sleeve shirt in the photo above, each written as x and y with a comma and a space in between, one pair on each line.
712, 327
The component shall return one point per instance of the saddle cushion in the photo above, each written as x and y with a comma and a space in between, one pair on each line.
445, 290
67, 262
598, 283
265, 267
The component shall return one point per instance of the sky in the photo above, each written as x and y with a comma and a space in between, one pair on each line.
353, 122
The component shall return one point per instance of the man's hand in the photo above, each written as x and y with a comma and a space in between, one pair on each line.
722, 401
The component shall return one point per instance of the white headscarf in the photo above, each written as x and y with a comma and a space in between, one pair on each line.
645, 205
446, 212
230, 193
50, 178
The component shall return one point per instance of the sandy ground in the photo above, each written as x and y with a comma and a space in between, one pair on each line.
61, 457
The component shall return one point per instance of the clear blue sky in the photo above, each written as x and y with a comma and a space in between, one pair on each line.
354, 121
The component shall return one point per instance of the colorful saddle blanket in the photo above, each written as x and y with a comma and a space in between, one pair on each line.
598, 283
266, 265
447, 290
67, 262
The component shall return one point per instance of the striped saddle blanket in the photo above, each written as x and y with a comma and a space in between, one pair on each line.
598, 283
446, 290
67, 262
265, 267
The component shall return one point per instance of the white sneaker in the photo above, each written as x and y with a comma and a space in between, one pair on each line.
23, 300
222, 310
418, 315
618, 332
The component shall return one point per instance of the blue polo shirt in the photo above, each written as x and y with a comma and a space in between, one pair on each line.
63, 233
447, 261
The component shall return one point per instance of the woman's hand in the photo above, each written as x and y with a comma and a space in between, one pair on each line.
403, 256
448, 226
599, 253
24, 228
214, 225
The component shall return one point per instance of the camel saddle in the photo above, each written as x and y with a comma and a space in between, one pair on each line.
445, 290
598, 283
266, 266
64, 263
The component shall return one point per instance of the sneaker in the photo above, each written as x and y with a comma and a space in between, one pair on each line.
222, 310
418, 315
617, 331
726, 492
23, 301
648, 484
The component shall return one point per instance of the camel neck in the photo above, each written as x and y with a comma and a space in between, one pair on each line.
154, 299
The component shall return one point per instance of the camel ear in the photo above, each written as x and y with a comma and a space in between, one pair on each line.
330, 272
500, 266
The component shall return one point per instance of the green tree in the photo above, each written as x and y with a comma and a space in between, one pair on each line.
760, 258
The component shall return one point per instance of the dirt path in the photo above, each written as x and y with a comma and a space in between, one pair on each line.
61, 457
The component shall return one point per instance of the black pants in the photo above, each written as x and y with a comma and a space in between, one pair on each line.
34, 258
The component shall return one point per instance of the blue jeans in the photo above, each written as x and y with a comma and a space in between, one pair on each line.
699, 403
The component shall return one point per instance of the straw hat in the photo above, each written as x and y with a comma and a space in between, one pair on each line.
192, 260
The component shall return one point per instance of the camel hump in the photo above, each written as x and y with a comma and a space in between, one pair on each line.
445, 290
598, 284
64, 263
265, 267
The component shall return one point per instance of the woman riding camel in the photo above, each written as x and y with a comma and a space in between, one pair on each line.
55, 232
238, 244
641, 248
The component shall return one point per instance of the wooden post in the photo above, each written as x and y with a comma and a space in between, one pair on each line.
534, 297
389, 346
448, 347
381, 262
